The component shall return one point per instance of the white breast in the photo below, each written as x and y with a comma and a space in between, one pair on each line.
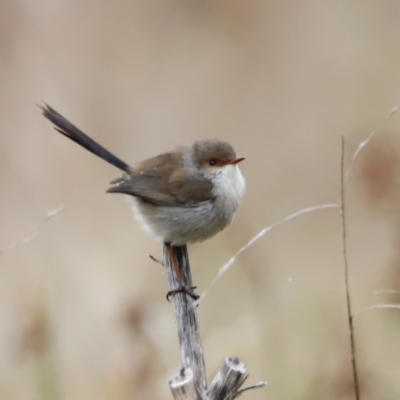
229, 187
181, 225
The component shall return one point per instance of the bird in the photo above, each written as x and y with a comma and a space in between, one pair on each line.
183, 196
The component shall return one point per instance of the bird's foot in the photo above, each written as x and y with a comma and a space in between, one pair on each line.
189, 290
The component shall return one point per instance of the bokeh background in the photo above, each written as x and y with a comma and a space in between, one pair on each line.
82, 307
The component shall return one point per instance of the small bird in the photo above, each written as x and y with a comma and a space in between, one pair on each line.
183, 196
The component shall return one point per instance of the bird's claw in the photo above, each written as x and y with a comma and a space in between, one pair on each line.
189, 290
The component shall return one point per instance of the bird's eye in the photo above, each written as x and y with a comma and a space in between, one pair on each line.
213, 161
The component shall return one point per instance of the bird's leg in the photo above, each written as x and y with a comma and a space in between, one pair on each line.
183, 288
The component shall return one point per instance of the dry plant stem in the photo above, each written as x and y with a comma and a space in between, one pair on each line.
186, 317
227, 383
228, 380
182, 385
255, 386
190, 382
346, 275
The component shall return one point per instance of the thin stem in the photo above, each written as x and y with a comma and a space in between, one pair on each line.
186, 316
257, 237
346, 275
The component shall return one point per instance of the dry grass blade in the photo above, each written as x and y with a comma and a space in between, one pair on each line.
259, 235
376, 307
364, 143
33, 231
346, 276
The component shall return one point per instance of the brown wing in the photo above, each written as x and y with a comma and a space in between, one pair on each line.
190, 188
162, 181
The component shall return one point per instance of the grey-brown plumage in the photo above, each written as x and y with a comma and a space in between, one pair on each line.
163, 181
186, 195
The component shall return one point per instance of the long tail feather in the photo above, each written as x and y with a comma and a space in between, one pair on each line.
72, 132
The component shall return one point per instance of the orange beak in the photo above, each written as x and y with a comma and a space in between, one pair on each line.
235, 160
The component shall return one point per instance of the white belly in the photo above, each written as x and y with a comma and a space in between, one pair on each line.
181, 225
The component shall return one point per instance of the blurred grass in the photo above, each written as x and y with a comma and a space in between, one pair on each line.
82, 309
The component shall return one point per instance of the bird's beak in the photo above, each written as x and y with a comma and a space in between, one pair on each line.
235, 160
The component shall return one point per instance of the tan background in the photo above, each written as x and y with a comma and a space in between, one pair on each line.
82, 307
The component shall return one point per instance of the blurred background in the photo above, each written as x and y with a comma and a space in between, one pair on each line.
83, 313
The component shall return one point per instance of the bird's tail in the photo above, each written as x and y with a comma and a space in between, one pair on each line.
72, 132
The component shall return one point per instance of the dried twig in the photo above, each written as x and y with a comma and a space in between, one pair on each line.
190, 382
229, 380
186, 318
255, 386
183, 386
346, 274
